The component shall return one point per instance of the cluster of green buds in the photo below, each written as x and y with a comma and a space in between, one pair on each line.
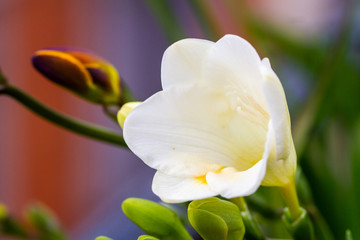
39, 223
216, 219
82, 72
212, 218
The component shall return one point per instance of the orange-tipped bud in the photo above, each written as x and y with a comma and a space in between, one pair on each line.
81, 72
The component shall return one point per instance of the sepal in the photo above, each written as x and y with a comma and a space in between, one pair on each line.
301, 228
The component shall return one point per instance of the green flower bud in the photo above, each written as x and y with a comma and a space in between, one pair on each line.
81, 72
103, 238
45, 222
301, 228
125, 111
216, 219
348, 235
154, 219
147, 237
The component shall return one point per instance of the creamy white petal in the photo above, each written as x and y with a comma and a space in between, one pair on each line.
231, 183
283, 164
180, 189
279, 171
192, 130
183, 61
234, 65
278, 110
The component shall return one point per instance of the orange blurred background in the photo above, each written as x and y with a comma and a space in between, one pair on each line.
76, 177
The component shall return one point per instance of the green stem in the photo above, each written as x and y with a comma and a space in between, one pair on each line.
252, 228
289, 194
77, 126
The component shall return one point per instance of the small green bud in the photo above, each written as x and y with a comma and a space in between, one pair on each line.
125, 111
9, 225
348, 235
216, 219
301, 228
147, 237
103, 238
81, 72
45, 222
154, 219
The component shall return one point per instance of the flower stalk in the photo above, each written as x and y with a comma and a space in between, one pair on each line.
289, 194
74, 125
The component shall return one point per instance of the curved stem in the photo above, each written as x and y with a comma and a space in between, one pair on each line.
289, 194
77, 126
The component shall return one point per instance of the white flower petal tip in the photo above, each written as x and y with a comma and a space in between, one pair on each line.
125, 111
219, 127
182, 61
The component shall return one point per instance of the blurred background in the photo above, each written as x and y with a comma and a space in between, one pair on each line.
84, 181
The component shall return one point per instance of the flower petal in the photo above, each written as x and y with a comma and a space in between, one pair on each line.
182, 62
234, 65
231, 183
278, 110
192, 130
283, 165
179, 189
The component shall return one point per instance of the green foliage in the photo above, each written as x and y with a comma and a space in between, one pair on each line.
155, 219
216, 219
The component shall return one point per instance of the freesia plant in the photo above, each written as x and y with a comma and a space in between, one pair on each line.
218, 134
219, 127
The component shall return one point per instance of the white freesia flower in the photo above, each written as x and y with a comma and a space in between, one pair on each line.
220, 126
